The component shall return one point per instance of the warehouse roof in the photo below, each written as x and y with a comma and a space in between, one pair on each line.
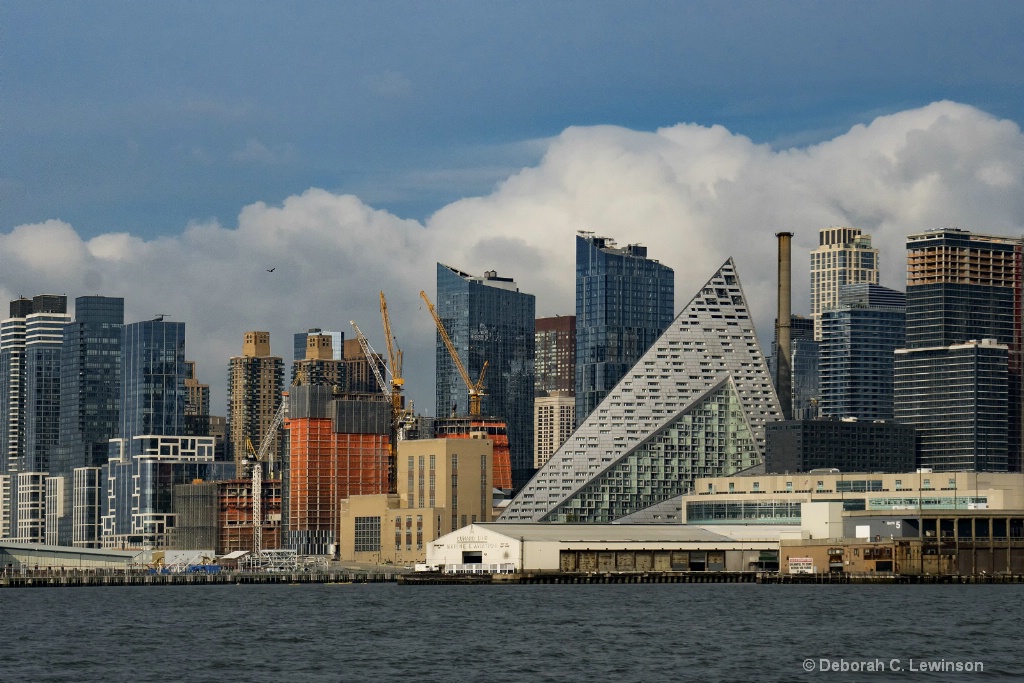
601, 533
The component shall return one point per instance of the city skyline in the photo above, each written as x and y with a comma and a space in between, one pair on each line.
182, 182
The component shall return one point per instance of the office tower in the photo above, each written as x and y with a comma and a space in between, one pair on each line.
804, 374
320, 367
696, 403
489, 319
963, 314
29, 342
338, 446
554, 420
151, 454
555, 354
858, 339
90, 390
844, 444
255, 383
624, 301
844, 257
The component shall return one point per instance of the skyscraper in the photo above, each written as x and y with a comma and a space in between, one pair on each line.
695, 404
90, 390
859, 337
844, 256
804, 374
624, 301
255, 383
964, 313
29, 404
152, 452
489, 319
555, 354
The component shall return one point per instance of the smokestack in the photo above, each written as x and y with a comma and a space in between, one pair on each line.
783, 324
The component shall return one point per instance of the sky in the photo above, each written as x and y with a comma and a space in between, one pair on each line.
173, 152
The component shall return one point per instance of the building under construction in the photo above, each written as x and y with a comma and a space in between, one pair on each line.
339, 446
218, 515
496, 430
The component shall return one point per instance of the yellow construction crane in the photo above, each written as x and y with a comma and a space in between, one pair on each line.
476, 389
394, 362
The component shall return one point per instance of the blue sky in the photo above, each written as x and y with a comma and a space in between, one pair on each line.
172, 152
143, 116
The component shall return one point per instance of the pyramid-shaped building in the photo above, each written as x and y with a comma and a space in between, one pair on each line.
695, 405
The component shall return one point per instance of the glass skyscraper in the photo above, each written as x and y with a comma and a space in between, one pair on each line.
959, 379
153, 373
859, 337
624, 302
489, 319
90, 395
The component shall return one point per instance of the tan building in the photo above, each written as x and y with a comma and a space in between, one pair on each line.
777, 498
255, 383
554, 419
844, 257
443, 485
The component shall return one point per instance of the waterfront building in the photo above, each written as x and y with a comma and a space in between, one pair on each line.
697, 402
90, 396
489, 319
962, 289
255, 385
776, 499
151, 453
849, 445
624, 301
555, 354
443, 485
554, 420
30, 342
338, 446
844, 256
859, 337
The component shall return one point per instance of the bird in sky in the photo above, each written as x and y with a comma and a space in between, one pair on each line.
271, 270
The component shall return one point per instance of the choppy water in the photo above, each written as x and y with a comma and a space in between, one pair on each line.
356, 632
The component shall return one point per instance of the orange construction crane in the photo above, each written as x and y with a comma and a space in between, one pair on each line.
476, 389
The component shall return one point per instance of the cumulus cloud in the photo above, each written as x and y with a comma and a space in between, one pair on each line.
693, 195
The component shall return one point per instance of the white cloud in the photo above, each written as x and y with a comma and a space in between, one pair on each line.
693, 195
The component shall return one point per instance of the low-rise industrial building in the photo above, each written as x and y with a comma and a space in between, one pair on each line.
600, 548
15, 557
777, 498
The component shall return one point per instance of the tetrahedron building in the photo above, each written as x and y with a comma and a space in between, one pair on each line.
695, 405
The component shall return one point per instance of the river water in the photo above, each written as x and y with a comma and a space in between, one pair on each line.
636, 632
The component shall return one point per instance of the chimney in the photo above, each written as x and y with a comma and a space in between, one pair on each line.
783, 323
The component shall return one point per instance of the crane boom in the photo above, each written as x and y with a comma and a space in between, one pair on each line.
394, 353
371, 358
476, 389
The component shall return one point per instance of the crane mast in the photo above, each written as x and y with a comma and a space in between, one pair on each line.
257, 472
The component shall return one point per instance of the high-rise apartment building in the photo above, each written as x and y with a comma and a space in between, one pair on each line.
624, 301
963, 314
320, 367
554, 419
489, 319
844, 256
555, 354
152, 452
255, 384
90, 396
696, 403
859, 337
804, 375
30, 341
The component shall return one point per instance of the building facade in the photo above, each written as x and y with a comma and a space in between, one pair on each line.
443, 485
489, 320
848, 445
554, 420
859, 337
90, 389
962, 289
696, 402
844, 256
255, 385
555, 354
624, 301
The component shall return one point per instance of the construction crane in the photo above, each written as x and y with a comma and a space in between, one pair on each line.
394, 360
476, 389
371, 358
257, 472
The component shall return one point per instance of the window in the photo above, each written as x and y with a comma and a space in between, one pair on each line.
367, 534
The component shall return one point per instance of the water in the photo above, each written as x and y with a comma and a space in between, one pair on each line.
385, 632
